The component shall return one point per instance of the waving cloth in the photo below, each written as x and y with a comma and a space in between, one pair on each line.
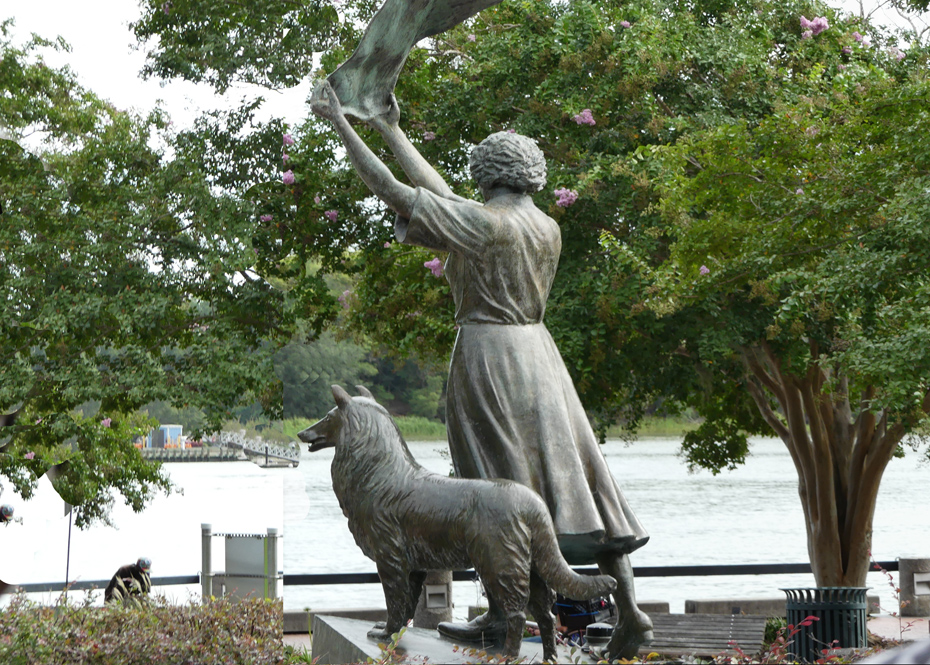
364, 83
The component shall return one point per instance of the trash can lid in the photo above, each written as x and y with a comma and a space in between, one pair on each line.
598, 630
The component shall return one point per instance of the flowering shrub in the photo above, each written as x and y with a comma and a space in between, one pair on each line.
435, 267
288, 177
815, 26
219, 631
584, 118
566, 197
331, 215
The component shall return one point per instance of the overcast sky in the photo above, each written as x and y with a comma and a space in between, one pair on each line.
102, 56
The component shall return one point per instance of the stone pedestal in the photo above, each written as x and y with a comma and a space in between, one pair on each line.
341, 640
914, 581
435, 604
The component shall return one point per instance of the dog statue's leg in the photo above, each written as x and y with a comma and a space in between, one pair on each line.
542, 597
394, 582
509, 587
413, 594
516, 622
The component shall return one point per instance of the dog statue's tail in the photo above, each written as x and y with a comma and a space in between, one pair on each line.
552, 567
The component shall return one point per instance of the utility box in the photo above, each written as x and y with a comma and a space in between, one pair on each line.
435, 602
251, 565
914, 581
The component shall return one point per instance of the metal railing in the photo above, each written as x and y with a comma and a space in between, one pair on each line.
86, 585
299, 579
320, 579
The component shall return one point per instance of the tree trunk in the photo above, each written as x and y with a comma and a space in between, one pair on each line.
840, 456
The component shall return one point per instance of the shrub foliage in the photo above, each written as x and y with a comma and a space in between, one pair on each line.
219, 631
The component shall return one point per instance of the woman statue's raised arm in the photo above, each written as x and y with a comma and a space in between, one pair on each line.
420, 172
398, 196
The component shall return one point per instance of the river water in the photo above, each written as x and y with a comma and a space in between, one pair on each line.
750, 515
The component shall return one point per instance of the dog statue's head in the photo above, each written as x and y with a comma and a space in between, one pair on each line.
326, 433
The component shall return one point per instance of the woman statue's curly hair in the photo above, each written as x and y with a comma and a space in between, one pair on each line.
511, 160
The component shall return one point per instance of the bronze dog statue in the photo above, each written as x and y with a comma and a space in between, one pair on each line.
410, 520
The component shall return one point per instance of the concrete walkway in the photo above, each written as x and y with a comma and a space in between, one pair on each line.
885, 626
298, 640
905, 629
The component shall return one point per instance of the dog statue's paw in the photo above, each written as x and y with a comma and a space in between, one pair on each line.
379, 632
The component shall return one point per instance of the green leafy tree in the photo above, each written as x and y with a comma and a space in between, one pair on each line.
126, 276
309, 370
799, 246
603, 86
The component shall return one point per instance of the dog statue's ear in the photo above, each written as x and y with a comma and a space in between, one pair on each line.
343, 399
364, 392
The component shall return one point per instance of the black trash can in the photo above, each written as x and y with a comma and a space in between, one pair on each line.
841, 614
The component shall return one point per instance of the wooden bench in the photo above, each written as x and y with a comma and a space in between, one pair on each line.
705, 635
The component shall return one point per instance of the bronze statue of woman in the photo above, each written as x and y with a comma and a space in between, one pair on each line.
512, 409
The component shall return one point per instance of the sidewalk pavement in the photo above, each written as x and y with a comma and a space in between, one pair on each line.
298, 640
886, 626
904, 629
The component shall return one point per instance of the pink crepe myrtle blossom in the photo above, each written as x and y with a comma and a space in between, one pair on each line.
624, 24
799, 191
896, 53
387, 245
344, 298
265, 218
435, 267
584, 118
841, 66
288, 177
471, 38
858, 37
285, 157
29, 455
566, 197
704, 270
288, 139
815, 26
807, 34
846, 50
331, 215
106, 422
316, 199
429, 136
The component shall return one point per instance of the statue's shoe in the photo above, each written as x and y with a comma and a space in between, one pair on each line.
631, 633
480, 629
